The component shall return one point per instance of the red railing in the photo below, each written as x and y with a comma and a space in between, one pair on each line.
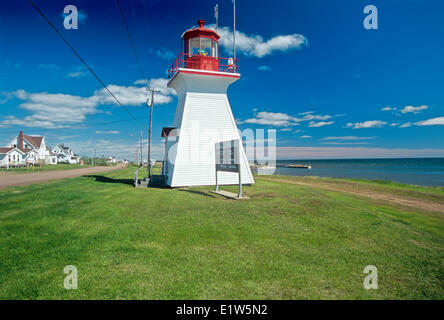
201, 62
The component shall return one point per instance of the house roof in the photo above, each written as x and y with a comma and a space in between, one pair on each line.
62, 146
36, 141
6, 150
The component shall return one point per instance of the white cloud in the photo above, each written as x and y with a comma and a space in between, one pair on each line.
165, 54
314, 124
7, 96
76, 74
343, 143
108, 132
347, 138
431, 122
367, 124
14, 65
49, 67
58, 110
311, 116
280, 119
264, 68
255, 45
273, 118
305, 113
388, 109
406, 125
305, 137
412, 109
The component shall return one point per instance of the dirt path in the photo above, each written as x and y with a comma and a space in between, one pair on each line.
9, 180
385, 196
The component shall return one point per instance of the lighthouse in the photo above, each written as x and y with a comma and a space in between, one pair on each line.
203, 115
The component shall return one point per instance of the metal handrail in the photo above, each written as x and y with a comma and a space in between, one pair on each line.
136, 174
231, 65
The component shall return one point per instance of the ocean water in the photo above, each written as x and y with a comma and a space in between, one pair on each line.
417, 171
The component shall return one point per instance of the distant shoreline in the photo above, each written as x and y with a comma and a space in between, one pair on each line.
413, 171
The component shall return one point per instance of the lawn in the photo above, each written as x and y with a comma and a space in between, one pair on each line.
49, 167
286, 242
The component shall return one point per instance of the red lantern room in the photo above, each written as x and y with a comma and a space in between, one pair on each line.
201, 48
201, 52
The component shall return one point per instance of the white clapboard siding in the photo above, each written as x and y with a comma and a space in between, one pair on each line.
203, 117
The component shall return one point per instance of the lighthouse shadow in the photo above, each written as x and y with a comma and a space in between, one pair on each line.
197, 192
104, 179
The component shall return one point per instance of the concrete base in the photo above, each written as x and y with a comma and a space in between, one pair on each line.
229, 195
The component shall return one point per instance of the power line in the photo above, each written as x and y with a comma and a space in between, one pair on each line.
122, 16
81, 59
146, 15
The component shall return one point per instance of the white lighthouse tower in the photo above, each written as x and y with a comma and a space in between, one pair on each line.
203, 114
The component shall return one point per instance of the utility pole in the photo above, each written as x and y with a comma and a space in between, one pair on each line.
141, 148
136, 156
149, 128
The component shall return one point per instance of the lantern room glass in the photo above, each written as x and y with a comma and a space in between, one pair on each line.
202, 46
214, 50
193, 47
205, 46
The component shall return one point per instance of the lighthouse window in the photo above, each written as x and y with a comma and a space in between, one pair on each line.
214, 48
205, 46
194, 47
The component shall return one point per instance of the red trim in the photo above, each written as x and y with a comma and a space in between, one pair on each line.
207, 63
194, 33
209, 74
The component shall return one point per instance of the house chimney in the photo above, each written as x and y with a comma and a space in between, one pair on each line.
21, 140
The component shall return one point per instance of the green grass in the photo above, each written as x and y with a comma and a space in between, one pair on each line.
434, 193
48, 167
286, 242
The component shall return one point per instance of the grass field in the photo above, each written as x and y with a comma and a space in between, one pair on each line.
59, 166
286, 242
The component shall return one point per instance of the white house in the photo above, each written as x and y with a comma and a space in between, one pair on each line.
12, 157
111, 160
65, 154
27, 143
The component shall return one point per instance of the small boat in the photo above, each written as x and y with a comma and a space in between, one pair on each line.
298, 166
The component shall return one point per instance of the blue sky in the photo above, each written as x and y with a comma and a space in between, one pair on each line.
310, 70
